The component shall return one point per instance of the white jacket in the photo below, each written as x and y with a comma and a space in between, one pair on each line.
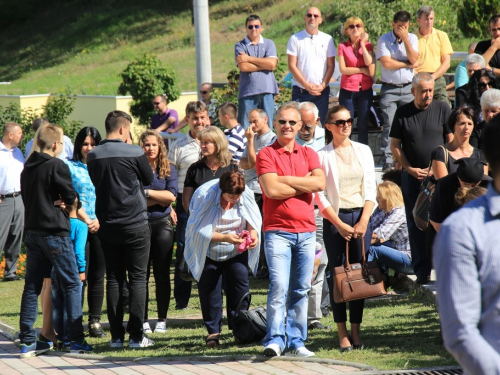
330, 196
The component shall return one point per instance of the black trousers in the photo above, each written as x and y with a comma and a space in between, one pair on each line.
335, 248
96, 270
182, 289
126, 251
160, 254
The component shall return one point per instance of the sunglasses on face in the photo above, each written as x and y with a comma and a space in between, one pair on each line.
156, 103
204, 92
482, 85
310, 15
291, 122
340, 123
357, 26
250, 27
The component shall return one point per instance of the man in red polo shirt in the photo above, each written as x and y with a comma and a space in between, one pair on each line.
289, 174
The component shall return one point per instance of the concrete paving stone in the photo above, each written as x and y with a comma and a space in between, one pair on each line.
300, 369
171, 367
268, 368
254, 370
117, 368
233, 367
203, 367
347, 369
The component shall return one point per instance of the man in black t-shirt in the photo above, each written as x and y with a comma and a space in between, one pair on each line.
417, 129
490, 49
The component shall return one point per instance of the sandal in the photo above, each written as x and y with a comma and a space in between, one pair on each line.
212, 340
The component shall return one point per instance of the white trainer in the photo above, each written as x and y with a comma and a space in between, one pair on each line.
146, 328
272, 350
302, 352
161, 327
144, 343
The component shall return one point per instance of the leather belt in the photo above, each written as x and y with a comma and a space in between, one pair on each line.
349, 210
11, 195
400, 85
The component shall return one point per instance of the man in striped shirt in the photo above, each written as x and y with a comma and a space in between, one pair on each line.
235, 134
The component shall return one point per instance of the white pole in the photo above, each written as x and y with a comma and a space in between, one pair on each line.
202, 43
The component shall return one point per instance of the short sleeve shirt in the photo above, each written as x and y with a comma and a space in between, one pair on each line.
420, 131
351, 82
199, 173
431, 49
237, 141
251, 179
439, 155
11, 166
183, 152
389, 45
262, 81
158, 119
312, 52
83, 186
295, 214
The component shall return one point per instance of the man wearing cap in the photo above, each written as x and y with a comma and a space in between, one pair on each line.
470, 173
467, 261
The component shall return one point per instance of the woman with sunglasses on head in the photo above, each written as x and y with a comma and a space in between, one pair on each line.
346, 205
481, 81
357, 65
160, 195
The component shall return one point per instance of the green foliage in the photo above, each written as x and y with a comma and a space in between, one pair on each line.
57, 111
145, 78
23, 117
473, 17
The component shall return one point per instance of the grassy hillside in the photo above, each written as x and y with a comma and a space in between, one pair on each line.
82, 46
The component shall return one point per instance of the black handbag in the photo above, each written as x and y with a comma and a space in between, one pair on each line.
249, 325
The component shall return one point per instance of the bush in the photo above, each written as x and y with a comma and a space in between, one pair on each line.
24, 117
145, 78
473, 17
57, 111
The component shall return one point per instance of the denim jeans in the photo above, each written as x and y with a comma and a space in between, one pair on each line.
262, 101
321, 101
359, 104
182, 289
126, 251
290, 259
45, 251
387, 257
391, 98
422, 265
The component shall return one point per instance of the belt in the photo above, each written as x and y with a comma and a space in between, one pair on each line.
349, 210
400, 85
11, 195
304, 91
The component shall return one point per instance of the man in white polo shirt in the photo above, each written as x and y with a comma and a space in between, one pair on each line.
311, 60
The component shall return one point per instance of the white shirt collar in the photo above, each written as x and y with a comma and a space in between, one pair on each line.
261, 40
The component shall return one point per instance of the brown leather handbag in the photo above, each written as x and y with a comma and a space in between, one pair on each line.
358, 280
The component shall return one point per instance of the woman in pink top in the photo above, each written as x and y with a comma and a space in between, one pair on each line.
357, 65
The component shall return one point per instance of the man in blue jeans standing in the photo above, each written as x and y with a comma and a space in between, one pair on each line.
44, 181
256, 58
119, 171
288, 175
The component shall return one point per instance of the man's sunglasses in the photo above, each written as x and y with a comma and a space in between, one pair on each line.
340, 123
250, 27
291, 122
204, 92
310, 15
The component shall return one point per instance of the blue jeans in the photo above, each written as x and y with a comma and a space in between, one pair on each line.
45, 251
422, 265
359, 104
321, 101
262, 101
290, 260
387, 257
182, 289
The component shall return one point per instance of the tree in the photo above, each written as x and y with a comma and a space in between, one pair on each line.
145, 78
473, 17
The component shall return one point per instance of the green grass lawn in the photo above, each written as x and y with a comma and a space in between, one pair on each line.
400, 332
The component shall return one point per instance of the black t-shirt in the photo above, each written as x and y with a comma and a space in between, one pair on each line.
438, 154
443, 202
476, 137
199, 173
420, 131
462, 96
481, 49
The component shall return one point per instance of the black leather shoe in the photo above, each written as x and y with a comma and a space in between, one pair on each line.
15, 278
325, 311
317, 325
359, 347
423, 280
344, 349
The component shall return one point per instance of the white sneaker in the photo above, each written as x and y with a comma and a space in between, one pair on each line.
161, 327
144, 343
272, 350
302, 352
146, 328
116, 343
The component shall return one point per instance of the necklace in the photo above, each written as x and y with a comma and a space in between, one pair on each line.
211, 167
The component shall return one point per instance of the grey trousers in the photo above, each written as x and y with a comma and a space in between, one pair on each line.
11, 232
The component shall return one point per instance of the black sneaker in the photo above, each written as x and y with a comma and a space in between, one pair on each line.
95, 329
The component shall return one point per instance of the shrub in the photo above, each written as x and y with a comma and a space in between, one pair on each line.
57, 111
145, 78
473, 17
24, 117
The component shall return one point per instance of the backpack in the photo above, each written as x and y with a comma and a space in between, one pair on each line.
249, 325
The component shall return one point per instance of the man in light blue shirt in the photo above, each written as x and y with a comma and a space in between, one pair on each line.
67, 152
311, 133
256, 58
398, 54
467, 260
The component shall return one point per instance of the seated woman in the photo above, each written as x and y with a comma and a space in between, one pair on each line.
219, 211
481, 81
490, 106
390, 244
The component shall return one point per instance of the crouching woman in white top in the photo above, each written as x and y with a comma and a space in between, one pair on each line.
218, 213
346, 205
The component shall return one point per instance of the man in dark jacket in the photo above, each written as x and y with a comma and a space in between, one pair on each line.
45, 180
119, 171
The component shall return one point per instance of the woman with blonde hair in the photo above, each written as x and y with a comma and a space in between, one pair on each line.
390, 244
357, 65
215, 159
160, 195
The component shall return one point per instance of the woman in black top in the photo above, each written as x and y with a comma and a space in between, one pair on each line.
160, 195
481, 81
215, 160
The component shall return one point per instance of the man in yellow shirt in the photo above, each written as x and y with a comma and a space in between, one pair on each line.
435, 50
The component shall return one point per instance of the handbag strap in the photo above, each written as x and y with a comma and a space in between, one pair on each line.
445, 150
363, 255
247, 294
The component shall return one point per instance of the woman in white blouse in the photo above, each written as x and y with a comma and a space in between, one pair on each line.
346, 205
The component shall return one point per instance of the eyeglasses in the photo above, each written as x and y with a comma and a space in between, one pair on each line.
310, 15
250, 27
291, 122
157, 103
206, 143
340, 123
482, 85
358, 26
203, 92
